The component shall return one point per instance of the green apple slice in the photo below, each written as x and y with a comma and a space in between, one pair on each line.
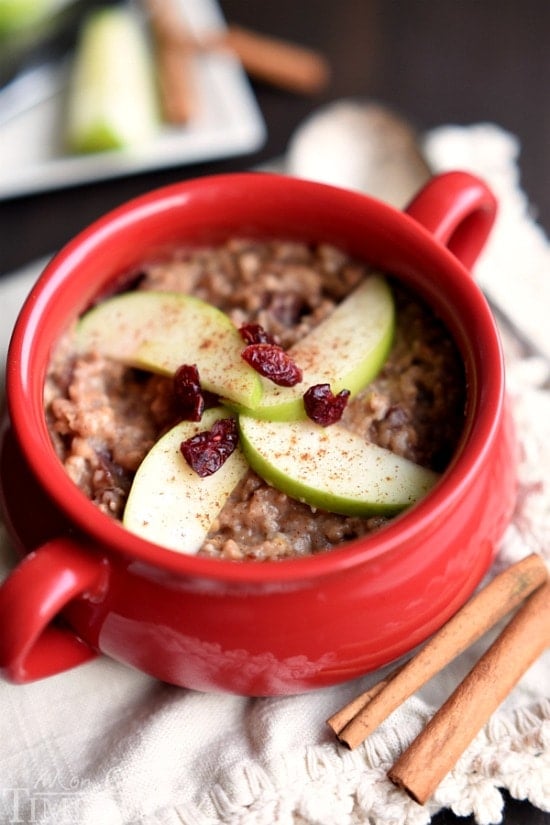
169, 504
332, 468
160, 331
346, 351
112, 101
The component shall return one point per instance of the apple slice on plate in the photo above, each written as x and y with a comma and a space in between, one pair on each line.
169, 504
332, 468
346, 350
112, 101
160, 331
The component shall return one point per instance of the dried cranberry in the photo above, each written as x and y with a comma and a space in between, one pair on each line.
322, 406
255, 334
207, 451
188, 393
274, 363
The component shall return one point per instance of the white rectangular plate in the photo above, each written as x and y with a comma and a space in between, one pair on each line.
228, 122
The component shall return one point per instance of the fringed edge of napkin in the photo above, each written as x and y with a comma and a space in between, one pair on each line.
331, 786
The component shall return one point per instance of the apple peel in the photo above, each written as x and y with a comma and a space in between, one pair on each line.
160, 331
332, 468
346, 351
169, 504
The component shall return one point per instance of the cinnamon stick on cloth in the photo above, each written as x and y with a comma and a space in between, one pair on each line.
339, 720
353, 723
433, 753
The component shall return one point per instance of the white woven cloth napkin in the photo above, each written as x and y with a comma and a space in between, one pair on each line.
105, 744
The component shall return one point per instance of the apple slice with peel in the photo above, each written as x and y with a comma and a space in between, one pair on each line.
169, 504
332, 468
160, 331
346, 350
112, 98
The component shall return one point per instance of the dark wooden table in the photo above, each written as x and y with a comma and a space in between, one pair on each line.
435, 61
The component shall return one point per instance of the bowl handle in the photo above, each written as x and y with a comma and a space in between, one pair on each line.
459, 210
44, 582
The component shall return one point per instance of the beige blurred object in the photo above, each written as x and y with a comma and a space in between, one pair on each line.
360, 145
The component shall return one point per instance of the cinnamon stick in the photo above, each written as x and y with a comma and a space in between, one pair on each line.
340, 719
284, 64
433, 753
173, 52
505, 592
275, 61
175, 83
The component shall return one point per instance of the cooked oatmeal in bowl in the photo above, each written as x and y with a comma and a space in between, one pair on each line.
269, 470
105, 416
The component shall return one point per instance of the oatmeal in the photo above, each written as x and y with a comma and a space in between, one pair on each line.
104, 417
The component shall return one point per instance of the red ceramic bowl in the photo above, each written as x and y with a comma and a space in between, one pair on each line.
251, 628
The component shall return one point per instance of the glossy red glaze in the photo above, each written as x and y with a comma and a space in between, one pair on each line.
257, 629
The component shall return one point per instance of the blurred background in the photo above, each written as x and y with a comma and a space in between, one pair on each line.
433, 62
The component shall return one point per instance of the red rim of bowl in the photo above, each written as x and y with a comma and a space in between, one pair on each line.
32, 433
